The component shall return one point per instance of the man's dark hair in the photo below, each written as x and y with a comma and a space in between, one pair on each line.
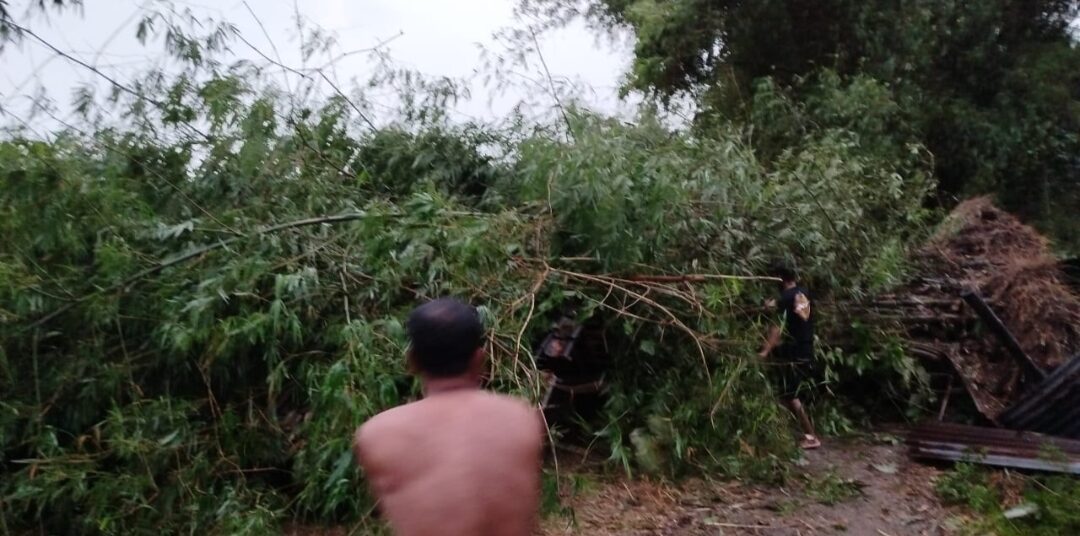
444, 335
785, 272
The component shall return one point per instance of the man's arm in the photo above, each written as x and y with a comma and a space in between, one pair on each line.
772, 340
358, 451
365, 448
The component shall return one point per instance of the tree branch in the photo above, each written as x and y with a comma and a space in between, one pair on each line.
551, 84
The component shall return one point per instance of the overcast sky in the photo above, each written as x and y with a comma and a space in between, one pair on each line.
437, 37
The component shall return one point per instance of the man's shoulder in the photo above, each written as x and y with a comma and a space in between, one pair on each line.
384, 423
790, 293
481, 403
511, 403
517, 412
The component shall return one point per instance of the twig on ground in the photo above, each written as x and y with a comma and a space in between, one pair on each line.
744, 526
697, 278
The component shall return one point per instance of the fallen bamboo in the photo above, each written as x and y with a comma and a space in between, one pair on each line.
198, 252
696, 278
945, 400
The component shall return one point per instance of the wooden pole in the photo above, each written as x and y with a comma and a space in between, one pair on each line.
1003, 334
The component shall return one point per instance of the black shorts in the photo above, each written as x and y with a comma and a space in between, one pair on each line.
791, 370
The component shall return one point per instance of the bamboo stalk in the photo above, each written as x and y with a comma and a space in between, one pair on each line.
136, 277
696, 278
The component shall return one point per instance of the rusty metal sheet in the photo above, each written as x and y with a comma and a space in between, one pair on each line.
992, 446
1052, 406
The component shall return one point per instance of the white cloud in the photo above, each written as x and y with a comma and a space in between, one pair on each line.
331, 14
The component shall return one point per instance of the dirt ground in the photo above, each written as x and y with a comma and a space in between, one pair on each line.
858, 487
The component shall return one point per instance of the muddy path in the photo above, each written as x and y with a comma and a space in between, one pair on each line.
858, 487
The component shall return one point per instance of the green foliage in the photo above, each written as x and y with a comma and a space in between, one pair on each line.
559, 489
875, 375
641, 194
198, 307
447, 159
231, 382
987, 87
968, 485
830, 489
219, 393
1051, 502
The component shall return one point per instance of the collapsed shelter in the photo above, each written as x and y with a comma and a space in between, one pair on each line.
992, 301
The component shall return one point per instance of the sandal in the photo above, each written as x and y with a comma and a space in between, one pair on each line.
809, 442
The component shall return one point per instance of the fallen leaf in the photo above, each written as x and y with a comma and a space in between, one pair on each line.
1022, 510
887, 468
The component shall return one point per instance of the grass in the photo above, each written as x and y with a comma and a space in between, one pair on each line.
1012, 504
830, 488
558, 492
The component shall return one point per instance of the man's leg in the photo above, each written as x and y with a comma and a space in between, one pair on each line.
804, 422
802, 376
795, 406
789, 377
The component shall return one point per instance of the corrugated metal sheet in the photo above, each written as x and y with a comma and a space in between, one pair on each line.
1052, 406
992, 446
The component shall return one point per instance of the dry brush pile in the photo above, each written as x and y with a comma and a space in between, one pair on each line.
982, 248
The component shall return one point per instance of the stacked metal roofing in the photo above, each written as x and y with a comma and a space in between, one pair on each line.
994, 446
1043, 429
1051, 407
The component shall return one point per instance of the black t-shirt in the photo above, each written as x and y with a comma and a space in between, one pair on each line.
795, 308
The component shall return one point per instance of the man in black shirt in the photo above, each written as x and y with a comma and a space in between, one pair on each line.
792, 349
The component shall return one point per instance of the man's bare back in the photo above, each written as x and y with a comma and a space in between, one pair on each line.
459, 462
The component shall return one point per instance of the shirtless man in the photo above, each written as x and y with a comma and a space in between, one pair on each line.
461, 461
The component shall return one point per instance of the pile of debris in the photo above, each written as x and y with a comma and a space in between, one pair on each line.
985, 257
1011, 263
994, 303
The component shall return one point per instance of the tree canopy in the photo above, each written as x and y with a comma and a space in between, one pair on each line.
991, 87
